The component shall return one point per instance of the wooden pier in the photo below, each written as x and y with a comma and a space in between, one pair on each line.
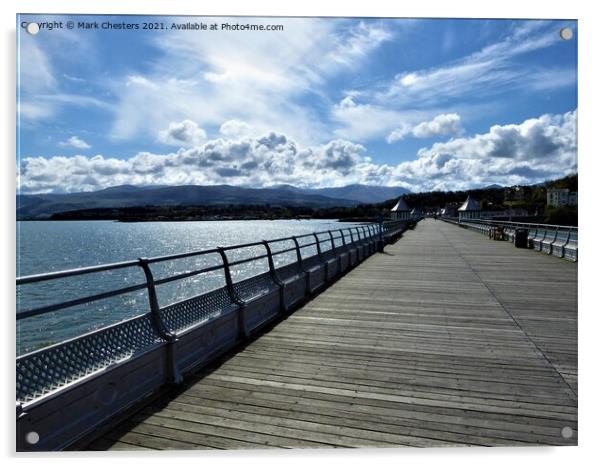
445, 339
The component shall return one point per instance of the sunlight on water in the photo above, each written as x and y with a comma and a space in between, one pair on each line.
51, 246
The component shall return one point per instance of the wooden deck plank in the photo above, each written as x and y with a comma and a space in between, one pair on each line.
448, 338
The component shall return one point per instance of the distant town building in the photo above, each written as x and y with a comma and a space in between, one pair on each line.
470, 209
559, 197
400, 211
515, 194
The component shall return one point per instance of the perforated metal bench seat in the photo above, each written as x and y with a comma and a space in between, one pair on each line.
295, 282
558, 246
316, 269
546, 244
42, 372
261, 297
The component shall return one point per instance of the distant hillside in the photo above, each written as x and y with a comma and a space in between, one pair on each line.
44, 205
361, 193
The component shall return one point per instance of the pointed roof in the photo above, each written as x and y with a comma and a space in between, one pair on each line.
469, 205
401, 206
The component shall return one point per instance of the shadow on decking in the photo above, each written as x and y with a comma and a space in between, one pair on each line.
111, 432
115, 429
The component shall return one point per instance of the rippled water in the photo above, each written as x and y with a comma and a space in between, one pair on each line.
50, 246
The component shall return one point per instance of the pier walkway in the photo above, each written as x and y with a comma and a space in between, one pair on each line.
445, 339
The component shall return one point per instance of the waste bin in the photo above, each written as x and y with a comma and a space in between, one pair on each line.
520, 237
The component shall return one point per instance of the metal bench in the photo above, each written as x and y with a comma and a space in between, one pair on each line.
546, 244
539, 237
558, 246
331, 258
294, 278
570, 249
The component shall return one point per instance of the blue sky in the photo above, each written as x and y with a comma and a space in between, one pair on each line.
424, 104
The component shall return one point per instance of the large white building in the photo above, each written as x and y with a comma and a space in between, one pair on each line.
558, 197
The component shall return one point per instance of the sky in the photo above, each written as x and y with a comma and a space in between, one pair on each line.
426, 104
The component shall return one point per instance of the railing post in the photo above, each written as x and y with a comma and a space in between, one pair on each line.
331, 240
336, 256
300, 262
318, 246
172, 365
371, 248
349, 248
242, 321
381, 234
298, 251
274, 275
360, 249
320, 257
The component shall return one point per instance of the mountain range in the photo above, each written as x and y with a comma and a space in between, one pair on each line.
44, 205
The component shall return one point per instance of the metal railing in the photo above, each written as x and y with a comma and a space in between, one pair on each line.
103, 372
558, 240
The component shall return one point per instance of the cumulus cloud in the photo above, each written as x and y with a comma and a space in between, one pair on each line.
185, 134
261, 161
399, 133
532, 151
529, 152
235, 129
549, 137
75, 142
442, 125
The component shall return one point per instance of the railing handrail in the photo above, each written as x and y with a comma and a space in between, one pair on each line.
36, 278
525, 224
152, 260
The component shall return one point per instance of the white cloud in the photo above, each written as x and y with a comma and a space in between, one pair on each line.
261, 161
363, 121
549, 137
35, 74
31, 111
75, 142
532, 151
441, 125
136, 80
73, 79
41, 86
399, 133
184, 134
251, 77
487, 71
408, 79
357, 43
235, 129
